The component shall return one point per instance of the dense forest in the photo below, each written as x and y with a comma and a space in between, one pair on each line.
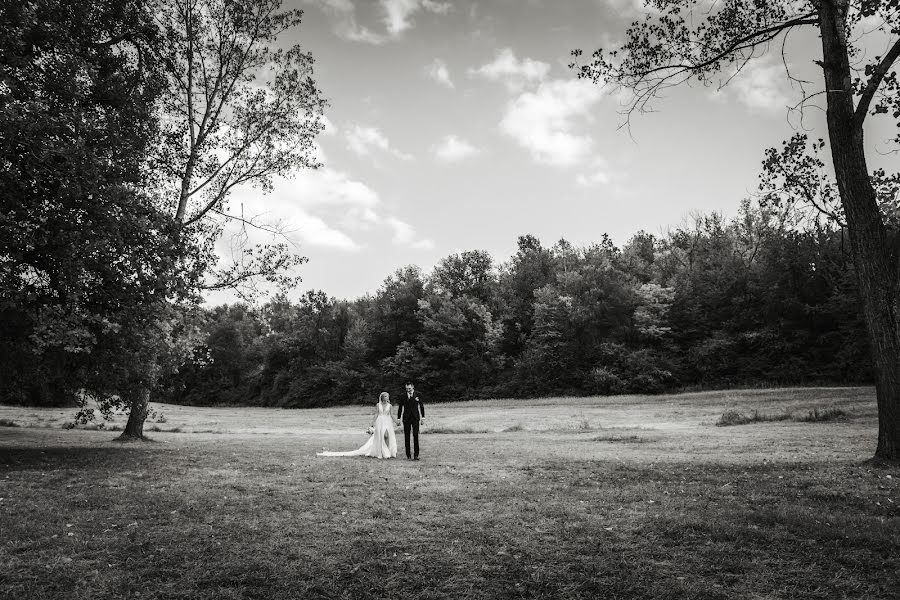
762, 298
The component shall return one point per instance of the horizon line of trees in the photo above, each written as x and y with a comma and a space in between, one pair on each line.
762, 298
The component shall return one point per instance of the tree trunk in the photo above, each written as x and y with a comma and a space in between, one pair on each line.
876, 268
140, 407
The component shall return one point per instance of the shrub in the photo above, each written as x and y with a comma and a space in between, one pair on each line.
736, 417
606, 382
825, 414
625, 370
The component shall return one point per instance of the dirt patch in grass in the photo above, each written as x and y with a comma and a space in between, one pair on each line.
621, 439
450, 430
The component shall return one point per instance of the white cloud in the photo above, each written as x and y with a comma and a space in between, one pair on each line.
318, 208
437, 70
396, 16
405, 235
440, 8
328, 187
546, 121
398, 13
329, 128
599, 174
300, 206
316, 232
513, 73
343, 16
631, 8
762, 85
361, 140
452, 148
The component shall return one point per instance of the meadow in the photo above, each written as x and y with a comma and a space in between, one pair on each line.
603, 497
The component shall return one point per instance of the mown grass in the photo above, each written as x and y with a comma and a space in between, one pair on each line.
779, 510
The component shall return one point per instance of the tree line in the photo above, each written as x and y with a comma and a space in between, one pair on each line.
712, 303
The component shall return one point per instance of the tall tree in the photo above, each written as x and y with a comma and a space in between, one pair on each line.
392, 316
529, 270
238, 111
680, 40
82, 244
469, 273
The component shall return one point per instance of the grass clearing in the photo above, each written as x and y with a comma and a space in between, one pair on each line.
650, 500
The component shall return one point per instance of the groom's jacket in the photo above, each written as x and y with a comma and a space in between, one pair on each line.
411, 408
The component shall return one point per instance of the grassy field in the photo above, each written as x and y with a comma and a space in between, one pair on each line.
623, 497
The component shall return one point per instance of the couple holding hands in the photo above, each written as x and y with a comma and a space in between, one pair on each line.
383, 443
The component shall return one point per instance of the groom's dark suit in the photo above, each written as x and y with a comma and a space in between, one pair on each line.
411, 411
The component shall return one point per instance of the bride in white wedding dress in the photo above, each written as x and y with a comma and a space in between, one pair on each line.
383, 442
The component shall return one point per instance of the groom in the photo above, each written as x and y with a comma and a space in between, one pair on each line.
410, 413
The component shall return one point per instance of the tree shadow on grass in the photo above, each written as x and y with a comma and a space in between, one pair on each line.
31, 458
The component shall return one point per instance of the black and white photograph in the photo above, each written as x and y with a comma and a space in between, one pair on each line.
449, 299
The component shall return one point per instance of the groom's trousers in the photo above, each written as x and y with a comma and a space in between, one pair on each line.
414, 427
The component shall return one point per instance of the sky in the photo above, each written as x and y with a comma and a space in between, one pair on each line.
457, 125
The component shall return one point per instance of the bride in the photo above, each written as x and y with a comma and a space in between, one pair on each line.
383, 442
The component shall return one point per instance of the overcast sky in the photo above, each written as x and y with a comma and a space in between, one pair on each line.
457, 125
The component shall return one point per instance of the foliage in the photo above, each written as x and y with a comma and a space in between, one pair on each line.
766, 296
84, 248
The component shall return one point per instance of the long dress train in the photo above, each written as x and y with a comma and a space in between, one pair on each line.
381, 444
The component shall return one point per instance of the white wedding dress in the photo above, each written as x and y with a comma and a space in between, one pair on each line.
381, 444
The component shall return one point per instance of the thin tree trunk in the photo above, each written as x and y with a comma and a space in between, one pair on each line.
140, 407
876, 269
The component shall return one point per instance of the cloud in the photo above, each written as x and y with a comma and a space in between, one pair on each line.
513, 73
631, 8
319, 207
761, 85
300, 206
440, 8
329, 187
599, 175
330, 128
343, 16
398, 13
362, 140
546, 120
396, 16
454, 149
437, 70
316, 232
405, 235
